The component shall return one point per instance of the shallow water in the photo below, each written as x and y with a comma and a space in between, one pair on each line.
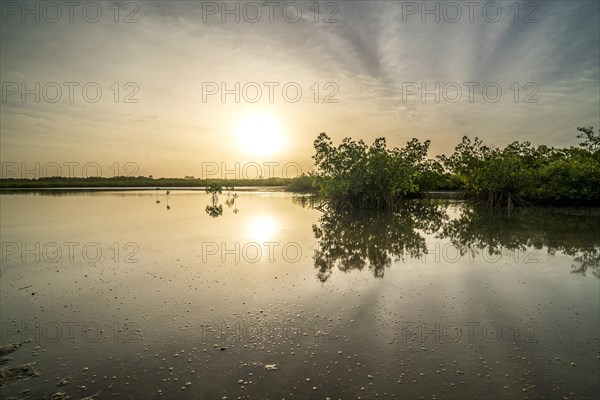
127, 298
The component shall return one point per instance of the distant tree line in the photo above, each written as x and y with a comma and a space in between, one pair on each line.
136, 181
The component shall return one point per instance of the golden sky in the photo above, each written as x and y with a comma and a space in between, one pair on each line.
289, 71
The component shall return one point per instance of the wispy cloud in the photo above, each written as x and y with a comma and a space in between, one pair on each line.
370, 54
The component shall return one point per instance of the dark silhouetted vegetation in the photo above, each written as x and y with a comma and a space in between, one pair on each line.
368, 239
350, 239
302, 183
354, 175
534, 227
136, 181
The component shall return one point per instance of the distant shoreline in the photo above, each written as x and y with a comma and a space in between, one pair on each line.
132, 188
140, 182
437, 194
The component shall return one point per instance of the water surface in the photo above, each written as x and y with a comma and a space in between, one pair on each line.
140, 294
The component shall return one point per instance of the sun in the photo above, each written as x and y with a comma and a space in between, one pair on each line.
260, 135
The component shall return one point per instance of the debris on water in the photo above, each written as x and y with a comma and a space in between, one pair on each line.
9, 375
92, 397
63, 382
59, 396
271, 367
4, 350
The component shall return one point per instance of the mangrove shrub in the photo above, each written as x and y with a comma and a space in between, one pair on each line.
354, 175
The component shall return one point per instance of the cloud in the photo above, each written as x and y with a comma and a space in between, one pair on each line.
371, 53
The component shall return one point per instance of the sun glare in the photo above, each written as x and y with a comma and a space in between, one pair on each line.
260, 135
262, 228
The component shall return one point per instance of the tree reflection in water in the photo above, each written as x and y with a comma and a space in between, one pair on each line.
570, 231
355, 240
372, 240
214, 209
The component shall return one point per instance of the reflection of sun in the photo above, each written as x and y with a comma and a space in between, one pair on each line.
260, 135
262, 228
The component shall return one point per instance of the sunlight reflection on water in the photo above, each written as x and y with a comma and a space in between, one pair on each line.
263, 228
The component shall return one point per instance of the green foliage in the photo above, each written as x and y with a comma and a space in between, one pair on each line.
591, 140
520, 173
214, 189
434, 177
354, 175
302, 183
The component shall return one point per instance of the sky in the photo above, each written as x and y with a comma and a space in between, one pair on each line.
242, 89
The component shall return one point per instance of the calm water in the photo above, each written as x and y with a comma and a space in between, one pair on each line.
264, 296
